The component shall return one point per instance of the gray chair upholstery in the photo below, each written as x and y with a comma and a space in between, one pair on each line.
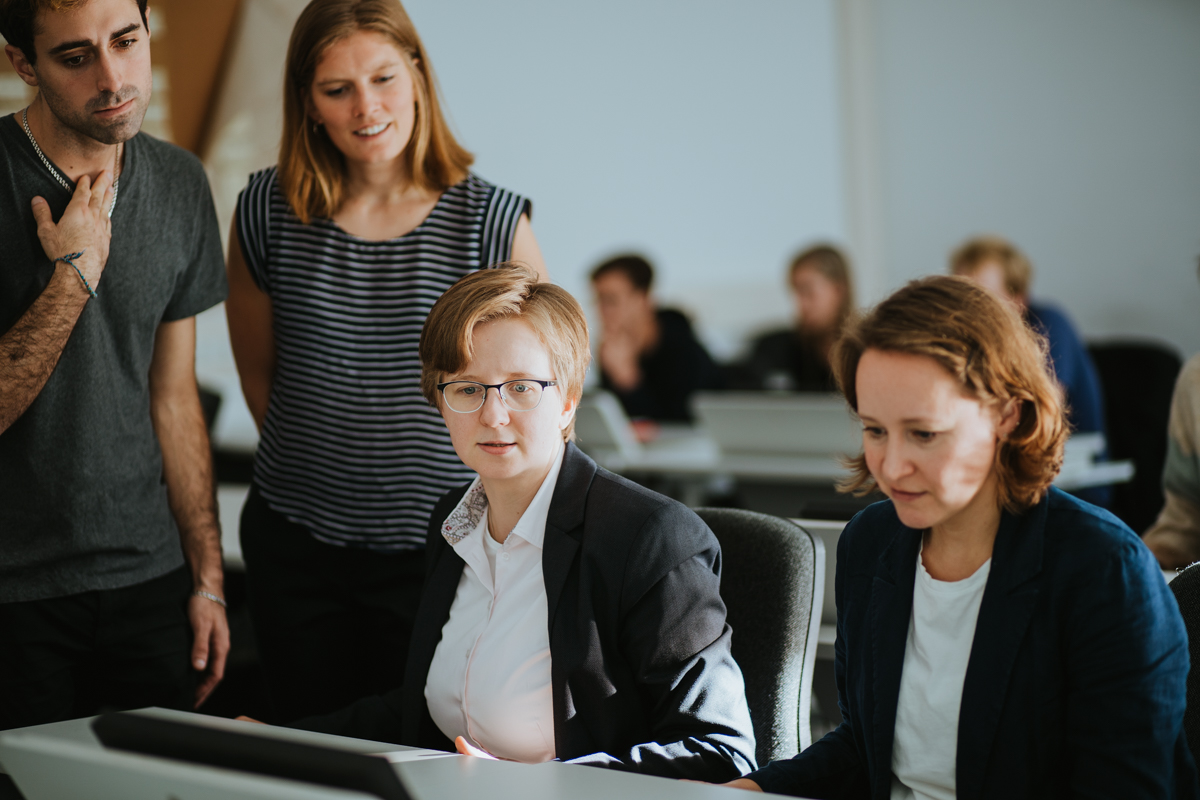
1186, 588
772, 582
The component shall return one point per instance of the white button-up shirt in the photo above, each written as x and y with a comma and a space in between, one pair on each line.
489, 680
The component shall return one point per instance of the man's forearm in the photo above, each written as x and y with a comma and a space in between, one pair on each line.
187, 468
30, 350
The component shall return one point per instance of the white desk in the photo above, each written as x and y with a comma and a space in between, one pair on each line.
690, 454
429, 775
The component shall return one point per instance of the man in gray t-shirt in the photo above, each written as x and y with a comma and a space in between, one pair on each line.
111, 584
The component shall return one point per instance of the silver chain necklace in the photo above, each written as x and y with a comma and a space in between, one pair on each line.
58, 177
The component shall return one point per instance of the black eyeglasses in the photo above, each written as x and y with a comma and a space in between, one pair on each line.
466, 397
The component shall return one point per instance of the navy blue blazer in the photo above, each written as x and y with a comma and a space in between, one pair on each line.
1076, 683
641, 670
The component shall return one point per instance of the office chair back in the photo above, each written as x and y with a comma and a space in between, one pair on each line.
773, 583
1137, 379
1186, 587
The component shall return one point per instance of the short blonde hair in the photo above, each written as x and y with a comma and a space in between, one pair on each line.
983, 343
974, 253
508, 291
312, 171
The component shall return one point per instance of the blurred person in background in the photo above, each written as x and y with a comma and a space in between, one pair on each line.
1175, 536
998, 266
649, 357
797, 358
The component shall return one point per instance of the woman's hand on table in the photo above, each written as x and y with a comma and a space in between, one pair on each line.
467, 749
736, 783
743, 783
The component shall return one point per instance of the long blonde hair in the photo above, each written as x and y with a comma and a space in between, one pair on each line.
312, 170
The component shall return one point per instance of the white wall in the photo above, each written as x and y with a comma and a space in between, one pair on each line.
702, 132
1070, 126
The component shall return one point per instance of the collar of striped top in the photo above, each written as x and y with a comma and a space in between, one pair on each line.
531, 527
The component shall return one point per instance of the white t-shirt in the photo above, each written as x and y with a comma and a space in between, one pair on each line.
940, 634
489, 680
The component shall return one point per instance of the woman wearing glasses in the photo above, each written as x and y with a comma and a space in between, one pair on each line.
568, 613
338, 253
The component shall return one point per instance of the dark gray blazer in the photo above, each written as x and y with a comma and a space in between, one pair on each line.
643, 679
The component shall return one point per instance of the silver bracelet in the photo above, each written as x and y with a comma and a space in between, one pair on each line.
210, 596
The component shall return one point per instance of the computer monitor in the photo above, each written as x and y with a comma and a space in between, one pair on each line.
766, 423
603, 429
50, 767
201, 744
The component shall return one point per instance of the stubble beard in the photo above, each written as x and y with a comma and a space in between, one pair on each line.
83, 122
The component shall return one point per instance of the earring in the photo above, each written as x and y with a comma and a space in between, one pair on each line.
316, 127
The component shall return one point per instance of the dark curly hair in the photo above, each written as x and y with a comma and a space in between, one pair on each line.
18, 18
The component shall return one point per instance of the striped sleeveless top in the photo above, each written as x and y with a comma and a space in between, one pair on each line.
349, 447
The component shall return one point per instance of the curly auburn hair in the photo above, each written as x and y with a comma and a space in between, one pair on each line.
984, 344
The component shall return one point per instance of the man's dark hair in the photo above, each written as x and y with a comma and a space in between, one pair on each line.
17, 16
634, 267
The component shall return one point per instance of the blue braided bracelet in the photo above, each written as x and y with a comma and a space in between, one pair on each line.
70, 259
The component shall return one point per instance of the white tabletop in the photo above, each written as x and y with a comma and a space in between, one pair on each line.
430, 774
690, 453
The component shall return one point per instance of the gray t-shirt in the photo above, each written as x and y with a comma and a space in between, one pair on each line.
83, 502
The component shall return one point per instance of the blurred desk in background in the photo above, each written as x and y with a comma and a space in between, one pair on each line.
777, 454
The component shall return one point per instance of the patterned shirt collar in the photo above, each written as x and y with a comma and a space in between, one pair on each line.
465, 517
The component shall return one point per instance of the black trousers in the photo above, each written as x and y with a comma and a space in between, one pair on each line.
332, 623
88, 653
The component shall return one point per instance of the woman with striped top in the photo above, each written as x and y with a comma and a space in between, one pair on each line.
336, 257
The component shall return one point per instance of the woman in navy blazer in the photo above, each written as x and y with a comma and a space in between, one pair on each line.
1073, 677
